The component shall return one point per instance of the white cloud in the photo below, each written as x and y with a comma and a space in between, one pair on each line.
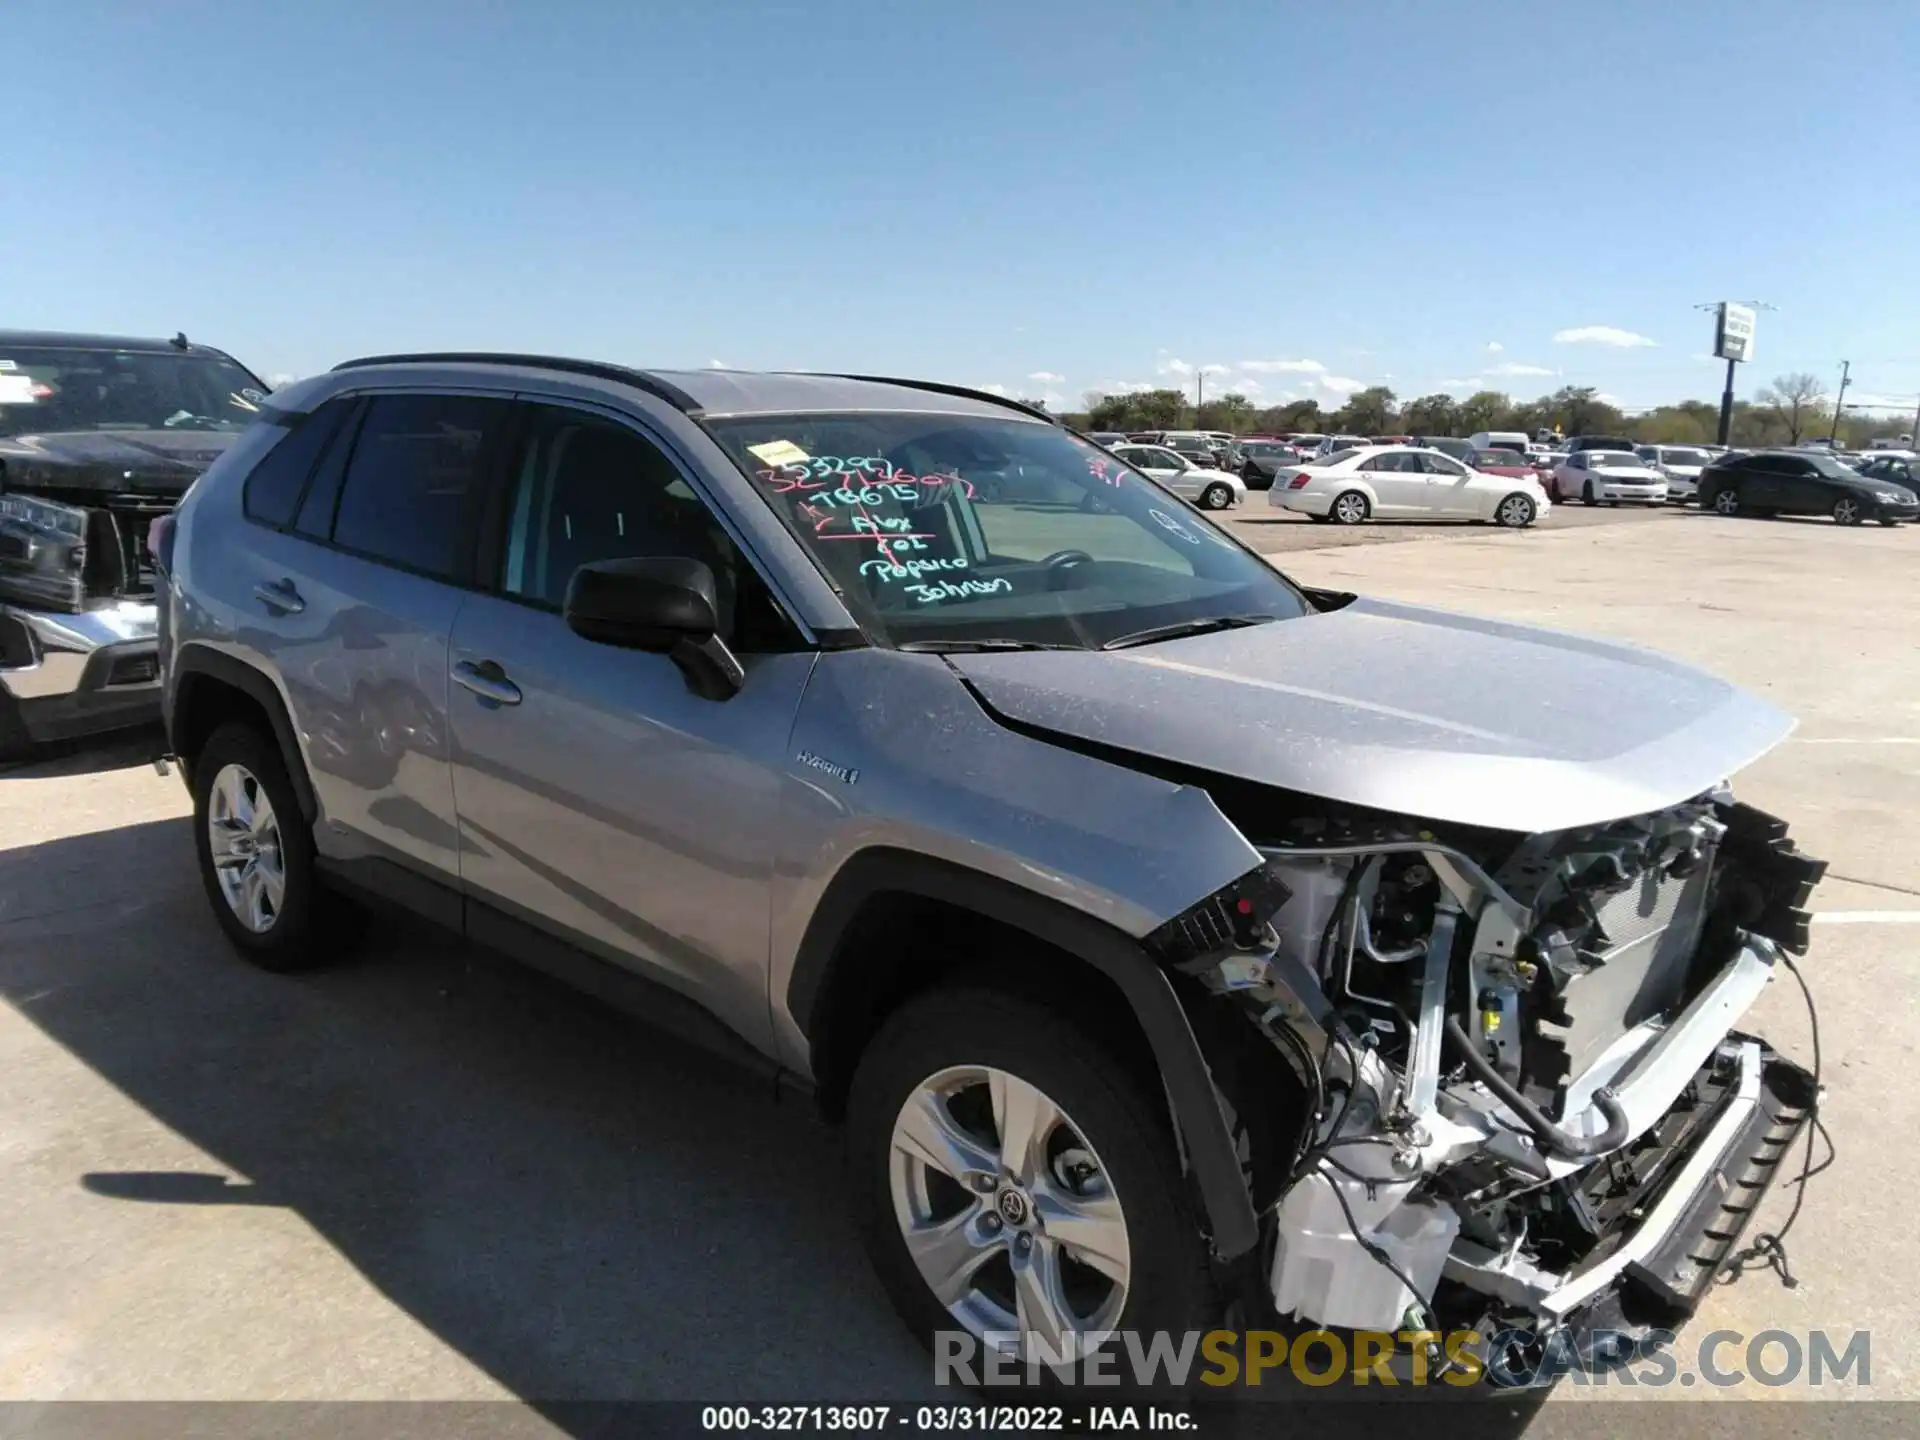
1247, 387
994, 389
1340, 384
1468, 384
1284, 367
1605, 399
1124, 387
1494, 347
280, 381
718, 365
1512, 368
1215, 369
1602, 335
1047, 377
1175, 366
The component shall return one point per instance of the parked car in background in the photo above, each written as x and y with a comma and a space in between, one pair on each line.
1461, 450
1503, 462
1399, 482
1196, 446
1499, 440
1795, 482
1895, 466
1893, 442
1305, 443
1679, 465
1108, 438
1261, 460
1335, 444
1208, 487
1600, 442
1596, 477
1392, 440
99, 437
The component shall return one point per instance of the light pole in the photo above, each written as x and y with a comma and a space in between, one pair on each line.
1839, 403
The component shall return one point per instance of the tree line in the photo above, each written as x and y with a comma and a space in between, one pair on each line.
1792, 409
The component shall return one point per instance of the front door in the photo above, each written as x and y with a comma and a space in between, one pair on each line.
1398, 481
1449, 486
600, 799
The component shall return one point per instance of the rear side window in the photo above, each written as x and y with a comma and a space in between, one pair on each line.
417, 481
272, 492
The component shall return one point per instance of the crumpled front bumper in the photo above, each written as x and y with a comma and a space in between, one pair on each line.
1656, 1273
80, 673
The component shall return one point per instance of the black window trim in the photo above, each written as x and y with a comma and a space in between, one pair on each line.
288, 421
359, 403
496, 514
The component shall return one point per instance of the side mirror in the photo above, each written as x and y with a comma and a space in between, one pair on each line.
662, 604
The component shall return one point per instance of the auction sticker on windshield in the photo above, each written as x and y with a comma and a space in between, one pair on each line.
779, 452
16, 389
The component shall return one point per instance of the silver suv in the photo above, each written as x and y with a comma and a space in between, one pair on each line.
1167, 937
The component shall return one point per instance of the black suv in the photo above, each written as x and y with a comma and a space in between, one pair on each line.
99, 436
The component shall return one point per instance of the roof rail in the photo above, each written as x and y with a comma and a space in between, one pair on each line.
962, 391
622, 374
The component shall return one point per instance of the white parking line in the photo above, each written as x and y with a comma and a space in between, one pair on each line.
1850, 740
1867, 917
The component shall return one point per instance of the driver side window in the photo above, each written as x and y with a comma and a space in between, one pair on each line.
1437, 464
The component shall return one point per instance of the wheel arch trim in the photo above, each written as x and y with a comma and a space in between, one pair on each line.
193, 661
1192, 1099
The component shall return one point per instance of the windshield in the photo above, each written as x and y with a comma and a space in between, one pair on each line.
1484, 458
1608, 460
1832, 468
1671, 456
963, 528
54, 390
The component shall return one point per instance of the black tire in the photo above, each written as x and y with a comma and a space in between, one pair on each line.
1216, 496
295, 939
16, 745
1122, 1120
1586, 492
1847, 511
1320, 519
1726, 501
1355, 514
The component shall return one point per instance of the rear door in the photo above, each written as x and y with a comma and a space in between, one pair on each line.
353, 603
601, 802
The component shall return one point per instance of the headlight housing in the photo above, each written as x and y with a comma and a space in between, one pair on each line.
43, 550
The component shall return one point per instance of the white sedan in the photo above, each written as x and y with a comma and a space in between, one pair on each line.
1608, 476
1209, 489
1394, 482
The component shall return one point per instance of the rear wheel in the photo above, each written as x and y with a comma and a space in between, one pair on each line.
1515, 512
1847, 511
1012, 1176
255, 850
1216, 497
1349, 507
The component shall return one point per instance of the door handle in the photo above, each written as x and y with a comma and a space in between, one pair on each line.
280, 596
487, 680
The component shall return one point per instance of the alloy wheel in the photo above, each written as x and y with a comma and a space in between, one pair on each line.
1350, 508
1727, 502
1008, 1213
244, 840
1217, 497
1846, 511
1516, 511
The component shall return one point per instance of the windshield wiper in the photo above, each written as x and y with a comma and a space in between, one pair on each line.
1184, 628
967, 647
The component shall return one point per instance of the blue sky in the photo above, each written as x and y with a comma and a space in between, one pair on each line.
1050, 197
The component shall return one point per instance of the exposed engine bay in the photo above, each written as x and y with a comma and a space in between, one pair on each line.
1528, 1105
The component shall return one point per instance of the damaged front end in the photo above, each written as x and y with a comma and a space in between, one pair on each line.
1530, 1110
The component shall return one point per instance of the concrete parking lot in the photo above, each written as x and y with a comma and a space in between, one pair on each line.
424, 1175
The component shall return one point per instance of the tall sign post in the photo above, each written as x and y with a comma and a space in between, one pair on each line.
1732, 342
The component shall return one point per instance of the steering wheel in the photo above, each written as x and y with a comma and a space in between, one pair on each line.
1060, 562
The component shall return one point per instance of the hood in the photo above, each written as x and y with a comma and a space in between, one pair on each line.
1404, 709
1627, 472
165, 461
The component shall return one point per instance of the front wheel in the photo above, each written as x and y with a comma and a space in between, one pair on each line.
1586, 493
1349, 507
1846, 511
1012, 1176
1216, 497
1726, 502
1515, 512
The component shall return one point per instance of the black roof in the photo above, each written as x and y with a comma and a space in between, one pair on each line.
69, 340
